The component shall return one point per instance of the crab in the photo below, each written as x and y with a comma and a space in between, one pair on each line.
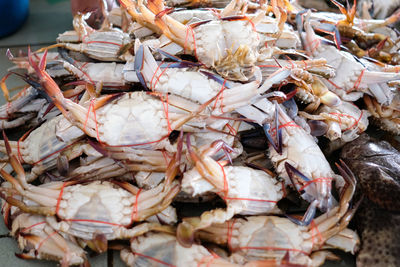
300, 161
62, 141
22, 109
38, 240
146, 120
272, 237
345, 121
246, 191
104, 44
153, 249
85, 210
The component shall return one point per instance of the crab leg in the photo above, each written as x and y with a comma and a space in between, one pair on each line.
206, 166
53, 243
350, 14
308, 215
331, 29
278, 145
4, 193
20, 184
47, 197
340, 214
187, 228
144, 228
130, 6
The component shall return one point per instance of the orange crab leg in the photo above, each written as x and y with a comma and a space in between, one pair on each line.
47, 82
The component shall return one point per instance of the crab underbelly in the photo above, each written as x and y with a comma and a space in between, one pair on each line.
136, 122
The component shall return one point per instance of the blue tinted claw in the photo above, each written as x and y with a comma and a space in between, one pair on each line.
331, 29
138, 65
168, 55
278, 130
295, 173
217, 78
179, 62
278, 145
307, 217
63, 52
291, 107
300, 20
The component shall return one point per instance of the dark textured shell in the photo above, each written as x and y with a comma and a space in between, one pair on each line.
380, 235
376, 164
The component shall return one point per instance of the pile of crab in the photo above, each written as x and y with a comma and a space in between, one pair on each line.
179, 132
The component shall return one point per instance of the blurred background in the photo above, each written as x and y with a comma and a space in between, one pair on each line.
45, 20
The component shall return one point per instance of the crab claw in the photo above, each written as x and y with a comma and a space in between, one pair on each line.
168, 55
138, 65
173, 166
179, 62
217, 78
47, 83
24, 256
308, 215
278, 145
318, 128
350, 14
208, 167
6, 211
309, 189
300, 20
293, 173
99, 243
347, 191
185, 232
332, 30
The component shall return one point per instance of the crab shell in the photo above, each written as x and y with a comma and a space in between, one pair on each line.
237, 42
34, 234
43, 146
249, 192
162, 247
144, 121
101, 207
272, 237
100, 45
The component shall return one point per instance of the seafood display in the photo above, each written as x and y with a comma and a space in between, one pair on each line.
196, 133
